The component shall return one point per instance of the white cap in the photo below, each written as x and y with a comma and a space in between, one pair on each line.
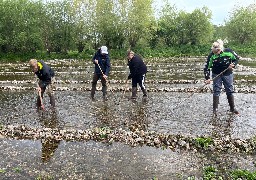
104, 49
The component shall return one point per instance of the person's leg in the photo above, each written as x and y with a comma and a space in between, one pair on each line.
217, 84
228, 85
94, 83
104, 87
142, 85
134, 87
43, 87
50, 92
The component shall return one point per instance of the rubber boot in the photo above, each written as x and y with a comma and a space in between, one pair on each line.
232, 104
93, 91
38, 103
52, 101
134, 93
104, 91
144, 93
215, 105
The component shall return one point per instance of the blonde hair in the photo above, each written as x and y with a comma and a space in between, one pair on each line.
217, 45
130, 52
32, 62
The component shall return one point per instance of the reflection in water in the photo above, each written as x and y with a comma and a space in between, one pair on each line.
49, 145
104, 113
138, 114
222, 126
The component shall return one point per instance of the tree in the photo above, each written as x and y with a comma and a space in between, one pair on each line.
241, 27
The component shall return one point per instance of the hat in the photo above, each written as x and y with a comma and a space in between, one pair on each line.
104, 50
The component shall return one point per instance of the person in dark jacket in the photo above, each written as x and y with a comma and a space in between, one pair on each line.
46, 78
102, 67
138, 70
221, 60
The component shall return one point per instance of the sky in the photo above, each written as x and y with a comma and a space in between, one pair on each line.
220, 8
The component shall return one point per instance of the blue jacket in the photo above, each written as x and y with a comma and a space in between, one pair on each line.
104, 62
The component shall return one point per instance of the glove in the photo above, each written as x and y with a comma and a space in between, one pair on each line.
130, 76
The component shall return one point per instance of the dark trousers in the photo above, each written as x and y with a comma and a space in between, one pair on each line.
139, 80
95, 78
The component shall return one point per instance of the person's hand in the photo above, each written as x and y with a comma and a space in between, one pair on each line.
96, 61
231, 66
105, 76
208, 81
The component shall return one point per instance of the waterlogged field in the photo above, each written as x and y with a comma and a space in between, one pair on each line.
164, 137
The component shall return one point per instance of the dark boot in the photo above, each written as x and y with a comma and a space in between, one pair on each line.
104, 91
134, 93
52, 100
38, 102
93, 91
215, 104
144, 93
232, 104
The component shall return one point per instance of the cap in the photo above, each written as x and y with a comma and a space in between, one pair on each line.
104, 50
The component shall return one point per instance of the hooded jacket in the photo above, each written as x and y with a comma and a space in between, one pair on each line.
103, 61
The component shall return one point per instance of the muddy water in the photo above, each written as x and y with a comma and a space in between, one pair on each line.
94, 160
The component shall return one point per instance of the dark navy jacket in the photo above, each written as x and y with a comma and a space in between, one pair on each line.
137, 66
45, 72
104, 62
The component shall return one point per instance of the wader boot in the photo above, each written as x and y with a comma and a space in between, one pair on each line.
232, 104
93, 91
215, 105
134, 93
144, 93
52, 101
104, 91
38, 103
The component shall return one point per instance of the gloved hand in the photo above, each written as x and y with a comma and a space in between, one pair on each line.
130, 76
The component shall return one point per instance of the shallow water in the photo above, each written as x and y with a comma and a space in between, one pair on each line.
160, 113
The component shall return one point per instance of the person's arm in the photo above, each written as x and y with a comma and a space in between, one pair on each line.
206, 67
108, 66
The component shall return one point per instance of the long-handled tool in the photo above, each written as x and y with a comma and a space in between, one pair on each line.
200, 88
41, 100
105, 79
40, 97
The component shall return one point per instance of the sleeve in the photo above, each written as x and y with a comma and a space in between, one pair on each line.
108, 65
206, 69
234, 60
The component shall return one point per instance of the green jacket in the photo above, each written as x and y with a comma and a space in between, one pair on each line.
220, 62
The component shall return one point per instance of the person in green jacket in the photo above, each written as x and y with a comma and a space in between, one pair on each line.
221, 61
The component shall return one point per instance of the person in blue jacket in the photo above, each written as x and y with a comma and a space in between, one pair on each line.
46, 78
101, 71
138, 70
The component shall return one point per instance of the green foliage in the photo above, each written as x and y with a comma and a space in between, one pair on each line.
241, 26
243, 174
17, 169
2, 171
203, 142
211, 173
76, 28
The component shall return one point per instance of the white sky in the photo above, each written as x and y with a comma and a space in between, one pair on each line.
220, 8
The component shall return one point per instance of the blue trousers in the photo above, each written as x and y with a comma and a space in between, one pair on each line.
227, 81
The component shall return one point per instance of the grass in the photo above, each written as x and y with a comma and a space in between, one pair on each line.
203, 142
